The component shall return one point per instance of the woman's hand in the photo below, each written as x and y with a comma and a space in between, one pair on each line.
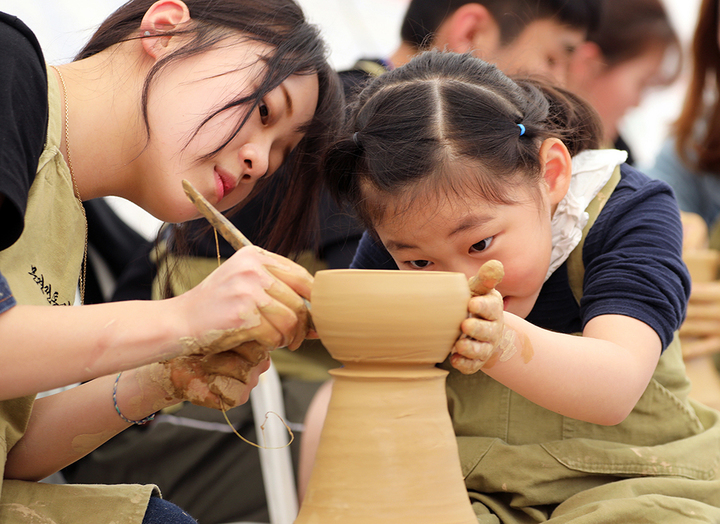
255, 296
220, 381
483, 330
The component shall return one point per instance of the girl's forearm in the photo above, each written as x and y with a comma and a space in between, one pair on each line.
48, 347
598, 377
67, 426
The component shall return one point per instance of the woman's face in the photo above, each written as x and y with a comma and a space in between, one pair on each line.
459, 235
183, 95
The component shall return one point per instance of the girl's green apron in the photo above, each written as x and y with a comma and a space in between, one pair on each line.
42, 268
525, 464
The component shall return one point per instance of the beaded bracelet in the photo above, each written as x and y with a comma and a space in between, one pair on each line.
117, 408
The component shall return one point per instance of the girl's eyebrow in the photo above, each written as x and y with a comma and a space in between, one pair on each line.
392, 245
469, 222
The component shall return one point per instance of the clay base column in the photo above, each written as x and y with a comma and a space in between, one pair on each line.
387, 452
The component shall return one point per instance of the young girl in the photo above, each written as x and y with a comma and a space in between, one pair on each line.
218, 93
567, 393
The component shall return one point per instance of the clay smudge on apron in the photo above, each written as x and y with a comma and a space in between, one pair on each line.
28, 514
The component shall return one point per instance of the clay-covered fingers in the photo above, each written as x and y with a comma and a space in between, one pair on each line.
469, 356
488, 276
243, 301
291, 273
231, 364
233, 392
287, 312
215, 381
482, 333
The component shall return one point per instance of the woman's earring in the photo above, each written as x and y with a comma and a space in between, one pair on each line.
146, 33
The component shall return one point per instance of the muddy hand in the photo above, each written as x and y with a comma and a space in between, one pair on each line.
482, 331
242, 301
219, 381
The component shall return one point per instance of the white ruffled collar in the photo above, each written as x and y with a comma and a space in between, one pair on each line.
591, 171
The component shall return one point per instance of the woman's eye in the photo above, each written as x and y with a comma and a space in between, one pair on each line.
419, 264
264, 112
482, 245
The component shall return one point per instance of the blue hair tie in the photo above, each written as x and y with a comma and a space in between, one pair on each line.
522, 129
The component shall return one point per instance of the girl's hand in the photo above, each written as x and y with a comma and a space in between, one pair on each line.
483, 330
482, 333
255, 296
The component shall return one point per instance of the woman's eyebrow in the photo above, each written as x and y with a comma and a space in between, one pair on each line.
288, 100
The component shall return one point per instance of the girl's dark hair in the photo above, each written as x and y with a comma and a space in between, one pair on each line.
410, 125
702, 150
296, 48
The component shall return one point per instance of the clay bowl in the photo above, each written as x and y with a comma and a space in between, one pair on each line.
377, 316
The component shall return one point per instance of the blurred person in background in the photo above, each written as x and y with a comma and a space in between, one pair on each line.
633, 49
690, 159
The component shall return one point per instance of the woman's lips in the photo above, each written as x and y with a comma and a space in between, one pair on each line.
224, 183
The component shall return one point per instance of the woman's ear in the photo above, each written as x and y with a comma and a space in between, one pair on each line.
557, 168
162, 17
470, 28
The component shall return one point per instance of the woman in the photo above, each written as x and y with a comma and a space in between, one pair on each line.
219, 94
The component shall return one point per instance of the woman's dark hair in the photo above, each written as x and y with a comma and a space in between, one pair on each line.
424, 17
296, 48
702, 150
629, 28
410, 125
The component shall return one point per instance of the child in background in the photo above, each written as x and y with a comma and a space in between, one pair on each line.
568, 394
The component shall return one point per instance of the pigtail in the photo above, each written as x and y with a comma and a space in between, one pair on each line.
555, 112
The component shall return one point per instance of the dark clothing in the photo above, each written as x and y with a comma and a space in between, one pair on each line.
629, 269
24, 115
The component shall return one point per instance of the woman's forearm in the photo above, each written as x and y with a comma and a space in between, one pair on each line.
67, 426
48, 347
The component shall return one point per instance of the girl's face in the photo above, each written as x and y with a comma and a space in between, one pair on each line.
183, 96
460, 234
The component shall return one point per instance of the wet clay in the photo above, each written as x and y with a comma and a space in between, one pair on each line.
387, 452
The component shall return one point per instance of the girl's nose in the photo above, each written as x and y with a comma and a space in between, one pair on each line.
255, 161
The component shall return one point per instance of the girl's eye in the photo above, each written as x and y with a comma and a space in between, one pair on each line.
419, 264
264, 112
482, 245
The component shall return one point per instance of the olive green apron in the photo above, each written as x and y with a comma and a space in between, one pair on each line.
42, 268
525, 464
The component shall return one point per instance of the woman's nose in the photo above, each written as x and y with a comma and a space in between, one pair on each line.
255, 160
